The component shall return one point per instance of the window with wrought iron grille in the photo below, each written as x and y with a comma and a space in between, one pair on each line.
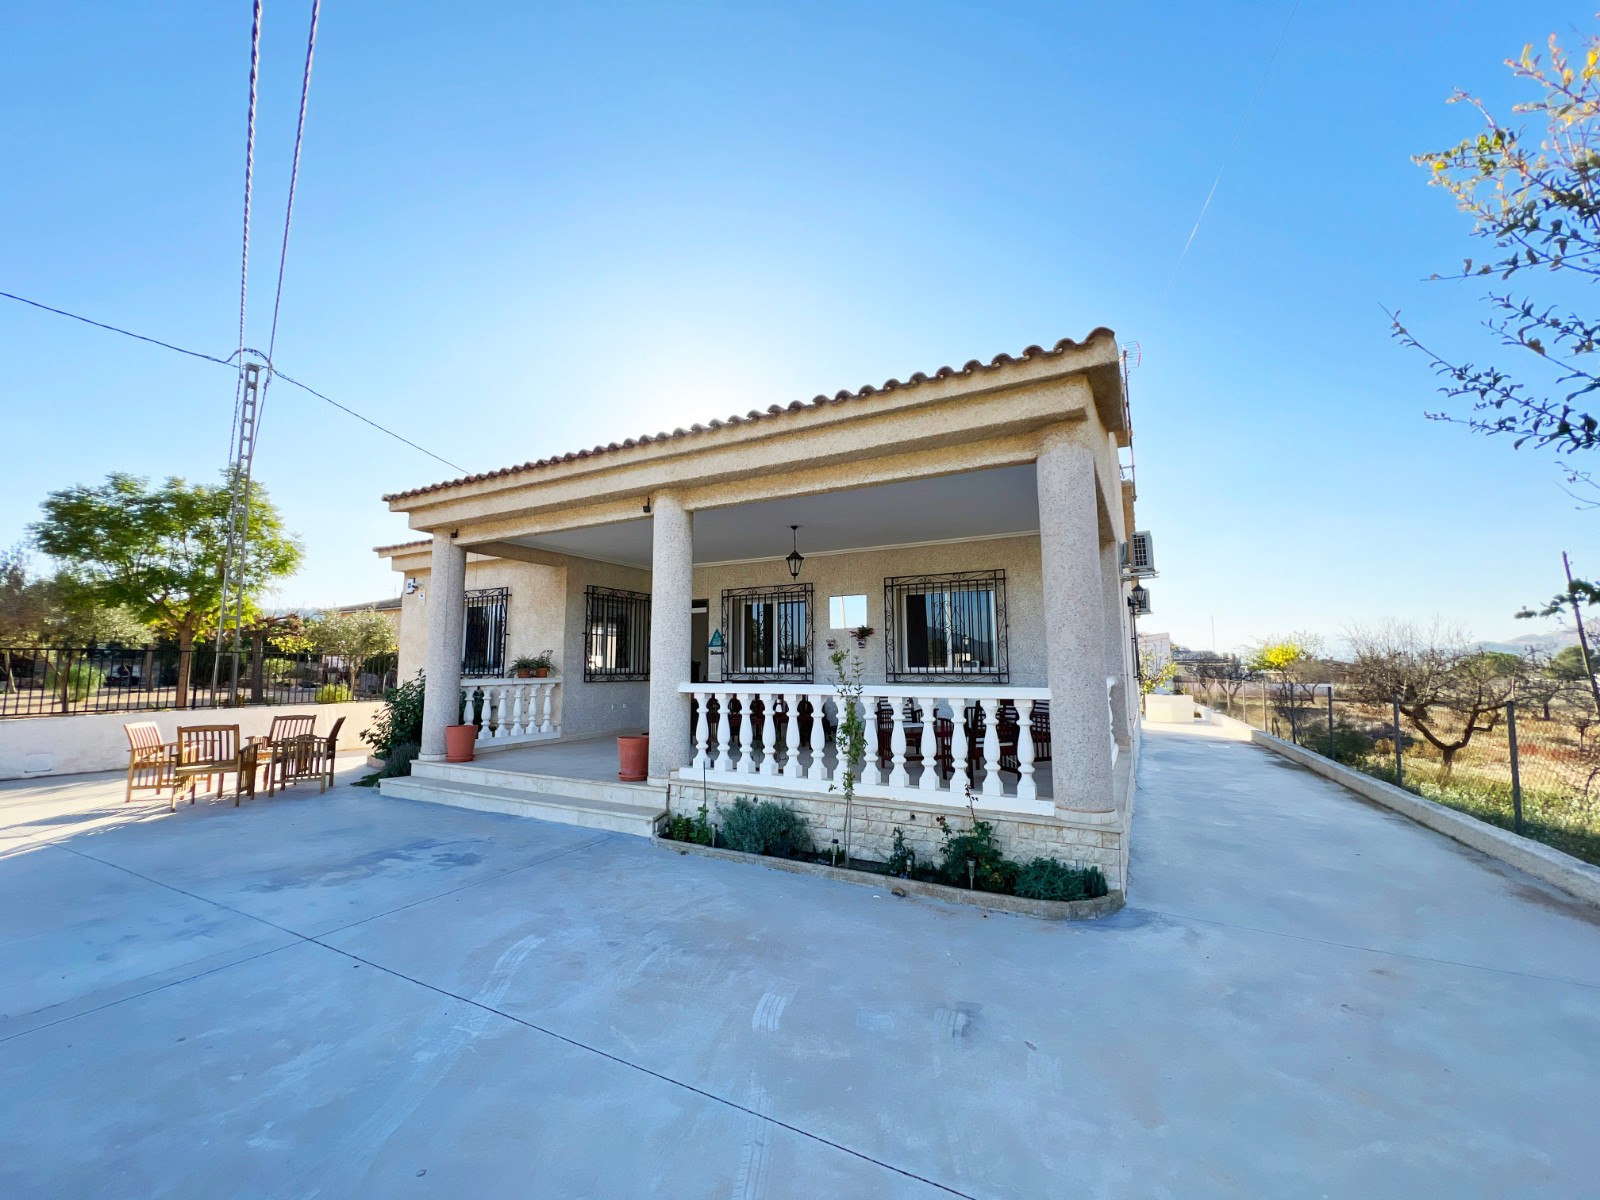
769, 633
946, 628
616, 635
483, 635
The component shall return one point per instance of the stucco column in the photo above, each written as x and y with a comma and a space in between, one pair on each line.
446, 600
1116, 614
671, 632
1075, 626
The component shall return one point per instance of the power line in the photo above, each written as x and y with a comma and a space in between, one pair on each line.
294, 176
229, 362
1237, 130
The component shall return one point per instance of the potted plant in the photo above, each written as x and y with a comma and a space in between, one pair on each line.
535, 666
459, 743
633, 757
861, 633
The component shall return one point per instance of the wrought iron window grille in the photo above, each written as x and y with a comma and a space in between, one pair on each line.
483, 634
769, 634
947, 628
616, 635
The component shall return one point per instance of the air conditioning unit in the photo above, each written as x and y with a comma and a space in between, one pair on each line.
1139, 558
1139, 601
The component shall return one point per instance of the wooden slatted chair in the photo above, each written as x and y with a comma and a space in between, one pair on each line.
306, 756
213, 751
150, 759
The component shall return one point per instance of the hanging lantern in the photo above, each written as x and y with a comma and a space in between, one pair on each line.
794, 558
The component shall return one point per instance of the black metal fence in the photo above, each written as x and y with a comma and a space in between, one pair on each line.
1531, 767
40, 681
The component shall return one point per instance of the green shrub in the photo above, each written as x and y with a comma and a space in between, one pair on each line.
764, 827
697, 829
400, 721
81, 679
333, 693
1350, 746
991, 872
1052, 879
397, 764
901, 857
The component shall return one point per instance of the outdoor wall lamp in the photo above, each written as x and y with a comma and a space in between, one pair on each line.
1138, 598
794, 558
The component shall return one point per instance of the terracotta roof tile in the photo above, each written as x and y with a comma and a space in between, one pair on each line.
971, 367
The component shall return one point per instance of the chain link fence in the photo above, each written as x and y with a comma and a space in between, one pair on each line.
1530, 767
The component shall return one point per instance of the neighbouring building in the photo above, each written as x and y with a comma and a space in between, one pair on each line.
696, 583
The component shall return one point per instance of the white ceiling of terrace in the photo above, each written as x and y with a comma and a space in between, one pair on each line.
951, 507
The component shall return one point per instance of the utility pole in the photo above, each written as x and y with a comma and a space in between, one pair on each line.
251, 397
1583, 638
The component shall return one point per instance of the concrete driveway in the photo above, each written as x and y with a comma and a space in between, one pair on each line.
345, 996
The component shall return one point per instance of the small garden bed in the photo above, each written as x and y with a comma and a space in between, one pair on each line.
776, 835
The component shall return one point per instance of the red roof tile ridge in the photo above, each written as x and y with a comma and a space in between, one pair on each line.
971, 367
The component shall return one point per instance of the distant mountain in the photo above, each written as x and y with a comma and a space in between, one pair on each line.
1549, 643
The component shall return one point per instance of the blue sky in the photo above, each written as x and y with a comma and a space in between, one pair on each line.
523, 229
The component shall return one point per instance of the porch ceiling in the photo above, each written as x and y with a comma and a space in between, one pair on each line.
948, 508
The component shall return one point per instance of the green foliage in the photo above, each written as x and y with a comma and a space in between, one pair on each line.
850, 740
353, 637
696, 829
1052, 879
902, 859
1567, 665
82, 679
400, 720
991, 871
1350, 746
333, 693
158, 550
398, 763
764, 827
543, 661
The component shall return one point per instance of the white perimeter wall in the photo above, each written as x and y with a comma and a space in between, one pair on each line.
38, 746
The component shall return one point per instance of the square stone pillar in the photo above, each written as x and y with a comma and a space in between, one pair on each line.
447, 615
671, 632
1075, 626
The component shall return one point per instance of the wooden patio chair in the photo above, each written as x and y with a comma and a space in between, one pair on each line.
213, 751
150, 759
306, 756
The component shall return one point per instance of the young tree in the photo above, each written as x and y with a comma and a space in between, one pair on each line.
158, 552
1535, 200
1449, 689
353, 637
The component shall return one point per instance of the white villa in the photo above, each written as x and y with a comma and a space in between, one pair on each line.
694, 584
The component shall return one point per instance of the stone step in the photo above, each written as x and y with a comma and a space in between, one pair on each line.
485, 774
632, 818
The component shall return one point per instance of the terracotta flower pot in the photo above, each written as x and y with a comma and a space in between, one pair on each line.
524, 673
541, 672
633, 756
458, 742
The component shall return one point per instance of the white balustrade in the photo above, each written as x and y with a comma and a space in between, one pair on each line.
1111, 711
932, 731
510, 711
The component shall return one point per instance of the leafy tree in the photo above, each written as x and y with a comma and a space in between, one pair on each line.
353, 637
1155, 671
1449, 689
26, 603
158, 552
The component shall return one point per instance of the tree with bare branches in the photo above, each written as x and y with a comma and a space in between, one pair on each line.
1449, 688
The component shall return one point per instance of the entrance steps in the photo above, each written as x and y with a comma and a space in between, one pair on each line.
594, 804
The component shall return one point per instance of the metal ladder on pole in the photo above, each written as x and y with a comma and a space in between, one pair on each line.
252, 397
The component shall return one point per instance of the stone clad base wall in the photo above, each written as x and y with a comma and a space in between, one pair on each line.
873, 823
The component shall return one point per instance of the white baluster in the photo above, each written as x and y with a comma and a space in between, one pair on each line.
518, 711
494, 698
769, 735
897, 742
747, 734
958, 744
991, 750
1027, 789
466, 704
547, 692
928, 744
791, 735
725, 760
819, 738
702, 725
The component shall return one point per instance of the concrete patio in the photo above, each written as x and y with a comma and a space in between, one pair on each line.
343, 995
